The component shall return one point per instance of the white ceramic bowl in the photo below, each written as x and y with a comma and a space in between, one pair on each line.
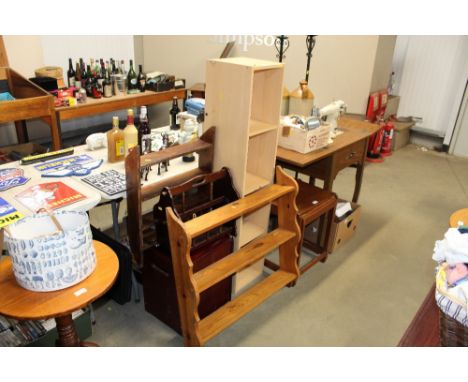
45, 259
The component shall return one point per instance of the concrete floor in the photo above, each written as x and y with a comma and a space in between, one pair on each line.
366, 293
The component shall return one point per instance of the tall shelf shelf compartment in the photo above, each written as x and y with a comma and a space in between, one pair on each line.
243, 99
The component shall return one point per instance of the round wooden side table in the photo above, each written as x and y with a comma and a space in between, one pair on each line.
460, 215
22, 304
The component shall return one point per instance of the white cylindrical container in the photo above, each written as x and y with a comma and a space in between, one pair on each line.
46, 258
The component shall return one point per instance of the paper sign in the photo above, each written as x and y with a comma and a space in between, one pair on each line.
11, 177
8, 213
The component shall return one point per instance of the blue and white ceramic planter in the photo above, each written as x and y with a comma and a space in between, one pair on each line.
45, 259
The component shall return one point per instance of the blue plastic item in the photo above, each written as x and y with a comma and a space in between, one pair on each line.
6, 97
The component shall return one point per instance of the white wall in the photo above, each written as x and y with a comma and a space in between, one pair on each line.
431, 72
459, 145
341, 66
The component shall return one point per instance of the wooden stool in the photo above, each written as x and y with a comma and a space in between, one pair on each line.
460, 215
312, 203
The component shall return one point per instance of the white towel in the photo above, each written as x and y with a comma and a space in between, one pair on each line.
453, 248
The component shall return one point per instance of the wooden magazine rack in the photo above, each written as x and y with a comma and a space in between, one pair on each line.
140, 228
189, 285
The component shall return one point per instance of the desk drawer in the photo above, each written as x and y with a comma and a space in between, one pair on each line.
350, 155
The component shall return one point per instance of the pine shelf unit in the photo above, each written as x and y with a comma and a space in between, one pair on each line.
243, 100
190, 284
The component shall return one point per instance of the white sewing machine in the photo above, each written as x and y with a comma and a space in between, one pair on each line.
330, 114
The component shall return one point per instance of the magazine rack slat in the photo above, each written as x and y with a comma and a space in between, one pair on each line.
136, 193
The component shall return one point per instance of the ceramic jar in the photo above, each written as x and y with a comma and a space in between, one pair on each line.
46, 259
301, 100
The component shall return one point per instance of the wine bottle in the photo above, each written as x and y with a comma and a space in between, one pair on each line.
122, 65
141, 78
91, 65
144, 132
70, 74
78, 76
90, 82
115, 142
107, 84
130, 133
132, 81
84, 75
174, 121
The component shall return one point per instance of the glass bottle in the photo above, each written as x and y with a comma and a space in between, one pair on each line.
122, 65
89, 83
78, 76
70, 74
130, 133
144, 132
84, 75
173, 120
115, 142
141, 79
107, 85
132, 80
301, 100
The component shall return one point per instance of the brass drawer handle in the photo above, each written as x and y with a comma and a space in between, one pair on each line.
351, 155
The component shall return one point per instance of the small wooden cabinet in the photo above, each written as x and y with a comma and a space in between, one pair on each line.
243, 99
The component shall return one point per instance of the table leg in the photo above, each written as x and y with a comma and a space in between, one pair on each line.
21, 131
66, 331
357, 186
115, 218
55, 132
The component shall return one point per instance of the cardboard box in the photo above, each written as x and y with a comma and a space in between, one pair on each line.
392, 106
343, 230
401, 134
303, 141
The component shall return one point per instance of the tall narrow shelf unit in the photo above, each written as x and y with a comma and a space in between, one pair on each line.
243, 99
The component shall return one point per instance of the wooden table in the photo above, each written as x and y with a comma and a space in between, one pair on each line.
23, 304
106, 105
93, 196
348, 149
459, 216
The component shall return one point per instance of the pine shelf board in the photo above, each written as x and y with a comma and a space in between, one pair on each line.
258, 127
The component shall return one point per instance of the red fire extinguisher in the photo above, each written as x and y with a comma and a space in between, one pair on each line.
387, 140
375, 145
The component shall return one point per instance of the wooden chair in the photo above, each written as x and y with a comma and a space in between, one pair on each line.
190, 284
140, 229
313, 204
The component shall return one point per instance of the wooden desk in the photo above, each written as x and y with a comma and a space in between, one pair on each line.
106, 105
347, 149
23, 304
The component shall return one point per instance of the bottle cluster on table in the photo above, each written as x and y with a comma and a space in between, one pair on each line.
121, 141
99, 78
